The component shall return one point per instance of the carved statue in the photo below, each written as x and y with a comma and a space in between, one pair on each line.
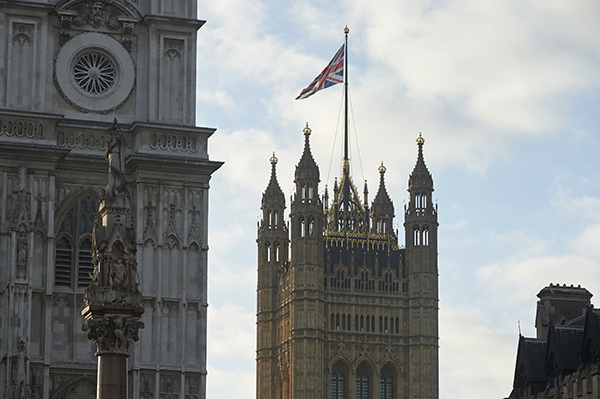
115, 154
19, 387
118, 281
22, 246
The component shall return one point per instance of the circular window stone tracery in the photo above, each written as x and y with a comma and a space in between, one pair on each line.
94, 73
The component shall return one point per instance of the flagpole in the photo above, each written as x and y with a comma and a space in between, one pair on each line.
346, 30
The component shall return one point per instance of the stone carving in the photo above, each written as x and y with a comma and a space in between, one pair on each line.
365, 352
173, 143
126, 35
40, 226
97, 14
115, 155
64, 28
192, 394
113, 298
22, 248
21, 128
147, 393
115, 278
170, 234
21, 202
20, 388
112, 335
193, 233
22, 34
173, 49
168, 394
150, 229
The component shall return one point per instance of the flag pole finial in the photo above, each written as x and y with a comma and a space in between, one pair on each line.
346, 30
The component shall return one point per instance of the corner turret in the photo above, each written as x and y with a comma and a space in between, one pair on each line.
420, 226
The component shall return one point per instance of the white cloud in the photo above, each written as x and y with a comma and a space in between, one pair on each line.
473, 340
230, 383
231, 333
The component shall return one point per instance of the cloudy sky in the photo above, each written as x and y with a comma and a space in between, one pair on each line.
507, 96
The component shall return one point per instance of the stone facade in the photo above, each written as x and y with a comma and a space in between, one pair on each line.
343, 310
67, 70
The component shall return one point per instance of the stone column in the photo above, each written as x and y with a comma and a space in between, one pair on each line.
113, 298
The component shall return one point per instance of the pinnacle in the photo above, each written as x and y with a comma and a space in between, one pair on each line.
382, 202
273, 194
307, 168
420, 176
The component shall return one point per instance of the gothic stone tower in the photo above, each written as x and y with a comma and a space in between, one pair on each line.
350, 314
68, 68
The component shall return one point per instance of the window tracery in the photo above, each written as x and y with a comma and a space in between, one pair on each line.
338, 383
386, 383
73, 258
362, 382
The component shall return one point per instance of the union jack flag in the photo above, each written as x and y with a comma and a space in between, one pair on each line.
331, 75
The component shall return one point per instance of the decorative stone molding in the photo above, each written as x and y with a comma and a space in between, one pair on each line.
127, 35
173, 142
147, 385
39, 225
22, 250
113, 14
150, 229
194, 233
64, 28
173, 49
22, 34
170, 386
192, 393
170, 235
82, 140
112, 335
21, 129
21, 202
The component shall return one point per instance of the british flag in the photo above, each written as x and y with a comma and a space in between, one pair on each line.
331, 75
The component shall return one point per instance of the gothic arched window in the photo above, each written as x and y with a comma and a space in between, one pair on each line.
338, 382
416, 236
386, 383
362, 382
73, 258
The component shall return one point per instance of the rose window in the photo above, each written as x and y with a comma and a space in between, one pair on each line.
94, 73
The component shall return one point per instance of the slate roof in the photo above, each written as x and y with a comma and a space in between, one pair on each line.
565, 342
531, 356
590, 350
